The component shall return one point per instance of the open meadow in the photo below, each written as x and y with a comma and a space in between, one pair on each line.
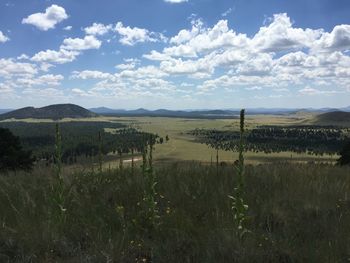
149, 189
183, 146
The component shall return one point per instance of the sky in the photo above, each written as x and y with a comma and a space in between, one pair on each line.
175, 54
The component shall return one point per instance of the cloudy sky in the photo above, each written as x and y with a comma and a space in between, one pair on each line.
175, 54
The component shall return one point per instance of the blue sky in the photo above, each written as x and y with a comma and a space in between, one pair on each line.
175, 54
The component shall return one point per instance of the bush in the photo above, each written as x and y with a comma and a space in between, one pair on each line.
345, 155
12, 156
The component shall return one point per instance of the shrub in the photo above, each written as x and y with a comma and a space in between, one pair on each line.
345, 155
12, 156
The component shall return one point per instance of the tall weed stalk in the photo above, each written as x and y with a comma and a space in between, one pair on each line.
58, 195
239, 208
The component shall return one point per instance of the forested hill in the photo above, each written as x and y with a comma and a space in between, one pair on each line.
340, 118
58, 111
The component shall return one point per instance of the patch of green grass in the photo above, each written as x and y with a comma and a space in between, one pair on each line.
297, 213
183, 146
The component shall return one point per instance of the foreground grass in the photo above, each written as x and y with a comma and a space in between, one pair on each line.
297, 213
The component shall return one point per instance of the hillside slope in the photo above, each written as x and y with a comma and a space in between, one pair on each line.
55, 112
339, 118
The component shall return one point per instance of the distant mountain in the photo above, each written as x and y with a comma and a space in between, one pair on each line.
208, 113
347, 109
2, 111
339, 118
105, 110
55, 112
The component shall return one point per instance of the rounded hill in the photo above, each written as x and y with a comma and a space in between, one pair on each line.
55, 112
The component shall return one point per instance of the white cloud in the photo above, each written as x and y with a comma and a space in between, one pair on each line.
153, 84
97, 29
311, 91
260, 64
22, 57
10, 68
3, 38
203, 40
44, 80
45, 93
45, 66
125, 66
143, 72
45, 21
67, 28
254, 88
185, 35
59, 57
5, 88
131, 36
278, 58
280, 35
227, 12
82, 93
155, 55
175, 1
69, 50
337, 40
88, 42
90, 74
131, 63
194, 68
200, 51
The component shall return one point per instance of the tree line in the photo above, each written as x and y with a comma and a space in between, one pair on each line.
316, 140
79, 139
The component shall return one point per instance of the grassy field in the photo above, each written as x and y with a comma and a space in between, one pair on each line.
182, 146
297, 213
298, 205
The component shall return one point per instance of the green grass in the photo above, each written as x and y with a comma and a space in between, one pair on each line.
297, 213
183, 146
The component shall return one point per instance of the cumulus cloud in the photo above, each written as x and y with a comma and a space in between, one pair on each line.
44, 80
48, 20
68, 51
199, 51
227, 12
67, 28
82, 93
201, 40
90, 74
143, 72
337, 40
185, 35
254, 88
133, 35
3, 38
22, 57
88, 42
10, 68
97, 29
52, 56
131, 63
175, 1
280, 57
260, 64
312, 91
280, 35
45, 93
6, 88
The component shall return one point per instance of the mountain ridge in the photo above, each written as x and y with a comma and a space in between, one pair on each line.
55, 112
339, 118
